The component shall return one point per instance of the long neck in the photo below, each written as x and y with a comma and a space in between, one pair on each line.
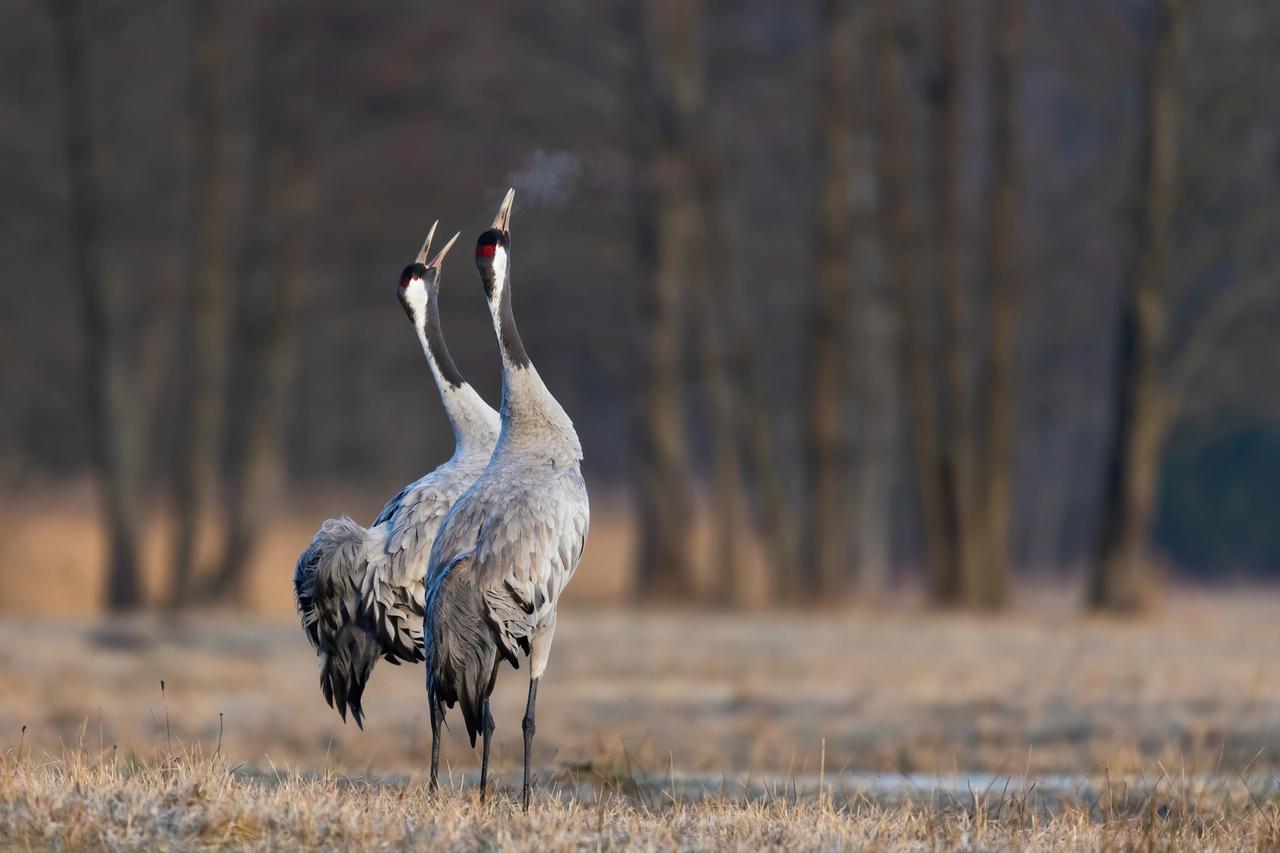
504, 325
531, 416
433, 346
474, 422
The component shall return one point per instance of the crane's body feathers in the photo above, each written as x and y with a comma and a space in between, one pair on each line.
511, 543
327, 586
360, 591
393, 587
505, 553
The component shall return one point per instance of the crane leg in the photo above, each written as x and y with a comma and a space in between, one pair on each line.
435, 739
529, 728
487, 732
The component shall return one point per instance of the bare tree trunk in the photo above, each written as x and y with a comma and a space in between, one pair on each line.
690, 132
274, 262
1121, 575
874, 379
112, 418
739, 413
987, 565
959, 471
901, 230
723, 371
757, 451
872, 548
726, 483
202, 323
663, 492
826, 410
870, 359
669, 225
719, 284
776, 517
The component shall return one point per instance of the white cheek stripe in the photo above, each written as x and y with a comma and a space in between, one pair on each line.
499, 280
499, 269
416, 294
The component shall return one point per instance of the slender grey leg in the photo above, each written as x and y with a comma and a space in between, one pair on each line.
487, 732
435, 739
529, 728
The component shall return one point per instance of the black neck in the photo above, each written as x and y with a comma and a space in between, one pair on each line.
435, 340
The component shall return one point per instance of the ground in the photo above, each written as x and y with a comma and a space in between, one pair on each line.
898, 729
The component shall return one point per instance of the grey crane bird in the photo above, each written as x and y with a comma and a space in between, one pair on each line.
511, 543
360, 591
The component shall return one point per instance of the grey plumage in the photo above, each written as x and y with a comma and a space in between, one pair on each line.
360, 591
511, 543
506, 551
327, 588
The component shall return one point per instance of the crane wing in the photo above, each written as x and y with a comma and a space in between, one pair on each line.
527, 550
393, 588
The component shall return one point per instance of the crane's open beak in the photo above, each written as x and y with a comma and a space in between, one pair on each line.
426, 247
439, 259
503, 219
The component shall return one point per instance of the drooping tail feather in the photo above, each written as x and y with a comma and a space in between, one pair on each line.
345, 670
326, 584
461, 655
476, 684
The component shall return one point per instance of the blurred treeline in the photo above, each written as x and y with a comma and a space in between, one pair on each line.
940, 289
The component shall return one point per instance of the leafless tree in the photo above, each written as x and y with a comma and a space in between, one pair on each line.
273, 265
874, 373
986, 580
1121, 575
711, 259
958, 470
961, 419
668, 53
741, 413
727, 508
827, 406
202, 324
902, 231
110, 408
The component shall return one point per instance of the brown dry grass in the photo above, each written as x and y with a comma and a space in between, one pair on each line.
1156, 724
1045, 690
655, 729
96, 800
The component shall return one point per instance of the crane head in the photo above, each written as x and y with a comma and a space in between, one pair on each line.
420, 280
492, 249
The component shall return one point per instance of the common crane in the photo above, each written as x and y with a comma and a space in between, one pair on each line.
511, 543
360, 591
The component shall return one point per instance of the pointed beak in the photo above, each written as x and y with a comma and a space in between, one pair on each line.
503, 219
439, 259
426, 247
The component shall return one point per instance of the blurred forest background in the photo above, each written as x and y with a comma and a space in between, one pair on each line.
845, 297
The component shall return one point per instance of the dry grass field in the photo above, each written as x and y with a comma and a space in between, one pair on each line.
904, 729
93, 802
896, 728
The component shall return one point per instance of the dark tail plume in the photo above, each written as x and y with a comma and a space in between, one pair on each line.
345, 670
327, 583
